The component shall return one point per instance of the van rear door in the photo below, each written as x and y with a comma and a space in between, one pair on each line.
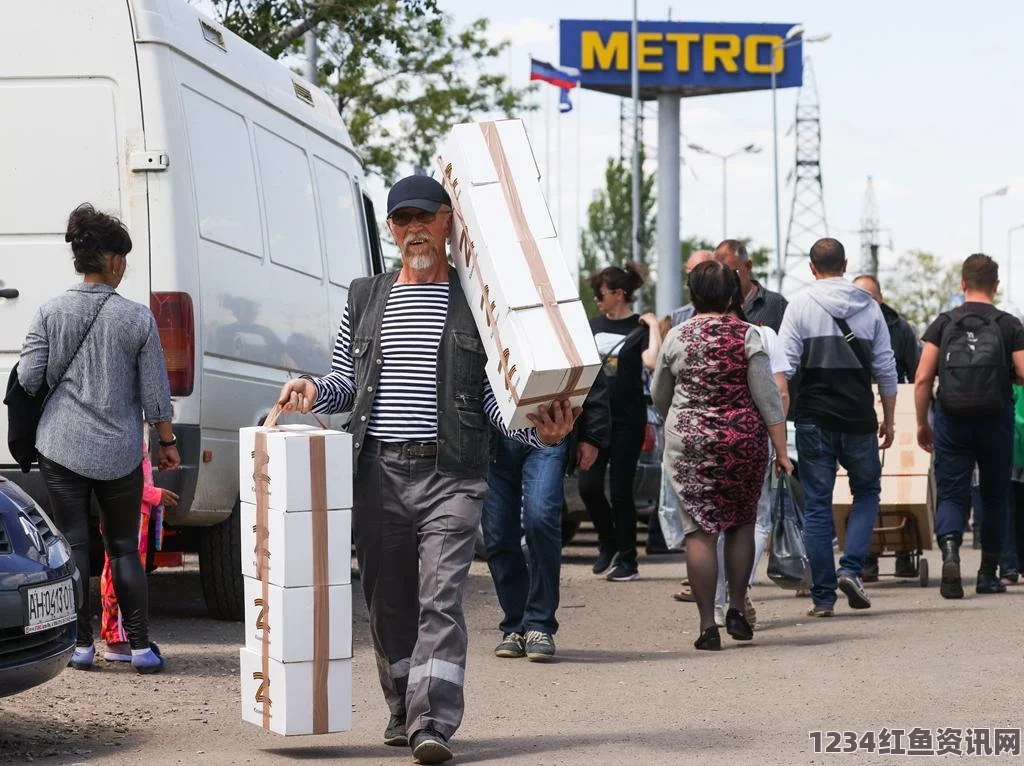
72, 122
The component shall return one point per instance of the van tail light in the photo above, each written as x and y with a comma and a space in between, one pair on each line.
650, 438
174, 320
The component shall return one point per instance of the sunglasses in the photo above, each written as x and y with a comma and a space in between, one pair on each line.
405, 217
599, 293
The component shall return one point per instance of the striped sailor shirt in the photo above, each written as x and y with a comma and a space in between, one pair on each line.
405, 407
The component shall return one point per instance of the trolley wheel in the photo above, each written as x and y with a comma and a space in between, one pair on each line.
922, 572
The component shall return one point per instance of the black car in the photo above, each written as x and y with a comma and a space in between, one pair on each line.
39, 591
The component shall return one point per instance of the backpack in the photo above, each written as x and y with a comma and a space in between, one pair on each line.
974, 370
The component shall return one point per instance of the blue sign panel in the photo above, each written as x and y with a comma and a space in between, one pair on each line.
688, 58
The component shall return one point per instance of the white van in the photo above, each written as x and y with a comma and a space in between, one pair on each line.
245, 203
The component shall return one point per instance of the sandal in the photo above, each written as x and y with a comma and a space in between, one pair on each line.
685, 595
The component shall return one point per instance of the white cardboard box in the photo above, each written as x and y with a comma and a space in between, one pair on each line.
289, 468
494, 271
539, 368
291, 694
290, 545
485, 218
289, 612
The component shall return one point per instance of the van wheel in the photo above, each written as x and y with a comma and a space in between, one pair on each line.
220, 567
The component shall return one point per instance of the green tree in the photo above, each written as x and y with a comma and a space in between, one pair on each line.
921, 287
607, 240
401, 73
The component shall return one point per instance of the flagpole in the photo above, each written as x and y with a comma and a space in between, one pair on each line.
558, 162
547, 146
579, 155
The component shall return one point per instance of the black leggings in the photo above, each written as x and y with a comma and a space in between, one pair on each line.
615, 522
120, 504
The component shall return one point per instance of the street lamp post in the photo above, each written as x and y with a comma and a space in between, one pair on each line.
1001, 192
794, 36
1009, 260
748, 149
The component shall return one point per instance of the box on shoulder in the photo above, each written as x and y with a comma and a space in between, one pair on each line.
290, 467
524, 299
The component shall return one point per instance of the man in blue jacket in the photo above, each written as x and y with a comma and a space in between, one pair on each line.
835, 334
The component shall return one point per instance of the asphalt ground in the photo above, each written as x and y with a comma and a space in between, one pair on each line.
627, 687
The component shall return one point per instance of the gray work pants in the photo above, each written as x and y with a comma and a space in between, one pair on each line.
414, 532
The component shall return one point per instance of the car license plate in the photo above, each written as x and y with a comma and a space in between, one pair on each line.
47, 606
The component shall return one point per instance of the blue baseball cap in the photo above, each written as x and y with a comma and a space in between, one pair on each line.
421, 192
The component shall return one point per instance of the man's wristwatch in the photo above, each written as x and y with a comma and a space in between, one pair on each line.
172, 443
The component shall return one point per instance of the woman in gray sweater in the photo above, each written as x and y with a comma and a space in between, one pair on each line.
101, 357
714, 387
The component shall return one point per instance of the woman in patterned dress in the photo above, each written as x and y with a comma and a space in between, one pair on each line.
713, 384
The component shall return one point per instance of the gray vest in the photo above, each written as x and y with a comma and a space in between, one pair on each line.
462, 426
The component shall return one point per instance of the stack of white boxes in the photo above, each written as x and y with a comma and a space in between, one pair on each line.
525, 301
289, 677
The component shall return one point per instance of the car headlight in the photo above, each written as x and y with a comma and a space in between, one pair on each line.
59, 553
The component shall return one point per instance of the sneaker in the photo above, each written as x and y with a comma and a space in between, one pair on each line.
1009, 577
605, 562
121, 652
624, 571
83, 658
720, 616
149, 662
855, 593
540, 646
749, 612
394, 734
870, 573
988, 584
430, 747
511, 647
816, 611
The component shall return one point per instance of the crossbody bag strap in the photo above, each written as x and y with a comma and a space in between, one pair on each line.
621, 343
79, 348
851, 339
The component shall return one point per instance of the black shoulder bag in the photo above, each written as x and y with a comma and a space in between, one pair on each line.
24, 410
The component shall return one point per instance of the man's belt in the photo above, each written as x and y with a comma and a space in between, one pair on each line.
411, 449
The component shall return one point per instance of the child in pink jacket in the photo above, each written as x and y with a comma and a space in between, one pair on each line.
112, 630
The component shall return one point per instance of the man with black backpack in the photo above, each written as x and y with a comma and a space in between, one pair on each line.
976, 350
836, 336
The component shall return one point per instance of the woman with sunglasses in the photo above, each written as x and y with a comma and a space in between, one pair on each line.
627, 344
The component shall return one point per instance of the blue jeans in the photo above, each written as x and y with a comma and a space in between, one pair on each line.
959, 444
819, 451
526, 493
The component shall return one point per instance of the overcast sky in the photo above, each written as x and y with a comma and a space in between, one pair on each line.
925, 98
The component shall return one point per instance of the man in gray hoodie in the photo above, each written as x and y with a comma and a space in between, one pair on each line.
835, 335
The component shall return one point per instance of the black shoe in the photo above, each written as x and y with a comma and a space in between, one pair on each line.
951, 585
710, 640
394, 734
512, 646
430, 747
624, 571
905, 567
736, 625
605, 562
989, 583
